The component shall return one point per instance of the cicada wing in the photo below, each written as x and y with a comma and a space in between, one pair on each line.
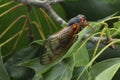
57, 45
52, 53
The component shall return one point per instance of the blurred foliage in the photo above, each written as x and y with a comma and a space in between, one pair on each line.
19, 57
93, 9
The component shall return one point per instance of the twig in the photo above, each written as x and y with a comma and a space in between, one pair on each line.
39, 3
54, 15
95, 39
46, 5
104, 40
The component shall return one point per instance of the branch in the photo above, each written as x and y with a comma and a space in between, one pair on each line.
39, 2
55, 1
95, 39
54, 15
104, 40
46, 5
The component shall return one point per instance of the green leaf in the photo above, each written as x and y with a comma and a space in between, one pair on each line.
33, 64
104, 67
108, 73
117, 27
18, 72
65, 69
39, 42
37, 67
117, 24
86, 75
81, 57
3, 73
61, 71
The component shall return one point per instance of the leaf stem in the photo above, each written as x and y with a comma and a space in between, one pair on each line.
98, 43
11, 9
41, 33
20, 17
3, 5
10, 53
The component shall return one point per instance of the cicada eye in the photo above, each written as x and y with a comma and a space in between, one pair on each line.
81, 19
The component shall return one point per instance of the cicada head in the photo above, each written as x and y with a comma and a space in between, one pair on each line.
79, 20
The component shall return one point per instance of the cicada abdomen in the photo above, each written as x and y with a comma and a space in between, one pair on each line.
59, 43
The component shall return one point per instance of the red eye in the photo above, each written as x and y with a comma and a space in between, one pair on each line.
81, 19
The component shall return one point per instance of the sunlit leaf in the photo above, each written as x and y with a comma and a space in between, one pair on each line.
108, 73
82, 57
104, 67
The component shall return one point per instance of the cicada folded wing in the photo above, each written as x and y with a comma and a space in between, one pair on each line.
49, 56
57, 45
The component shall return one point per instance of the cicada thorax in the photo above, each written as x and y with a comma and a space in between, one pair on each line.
59, 43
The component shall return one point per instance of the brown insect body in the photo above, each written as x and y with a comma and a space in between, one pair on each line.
59, 43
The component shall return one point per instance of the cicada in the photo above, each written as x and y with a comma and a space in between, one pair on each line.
60, 42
